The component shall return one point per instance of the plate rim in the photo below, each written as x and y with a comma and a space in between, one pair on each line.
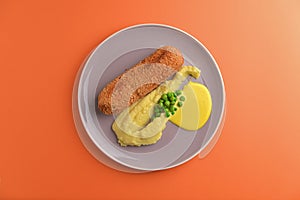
161, 26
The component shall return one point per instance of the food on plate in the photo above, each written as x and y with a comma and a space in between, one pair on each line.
136, 126
196, 109
139, 80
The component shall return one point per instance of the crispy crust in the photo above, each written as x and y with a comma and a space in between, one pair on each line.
167, 55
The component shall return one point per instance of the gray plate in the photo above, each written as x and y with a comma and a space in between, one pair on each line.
120, 51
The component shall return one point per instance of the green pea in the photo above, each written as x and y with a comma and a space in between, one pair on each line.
161, 104
182, 98
164, 97
173, 113
161, 101
175, 108
178, 92
171, 108
166, 110
169, 94
172, 102
167, 114
167, 103
179, 104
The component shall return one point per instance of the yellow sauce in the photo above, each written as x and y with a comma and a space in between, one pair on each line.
196, 108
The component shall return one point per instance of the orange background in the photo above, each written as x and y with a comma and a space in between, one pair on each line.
257, 46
